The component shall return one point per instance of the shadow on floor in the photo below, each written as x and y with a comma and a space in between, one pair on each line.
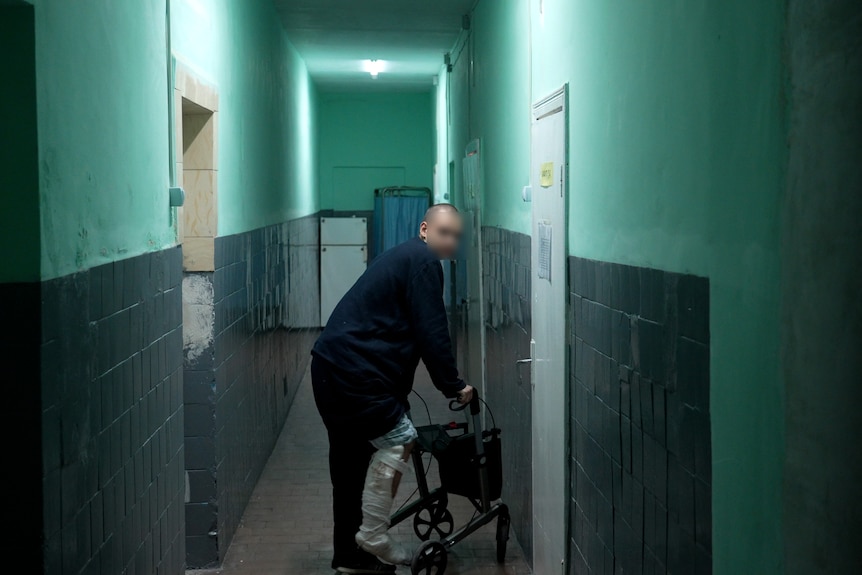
286, 528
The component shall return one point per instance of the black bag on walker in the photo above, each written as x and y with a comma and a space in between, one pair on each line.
459, 470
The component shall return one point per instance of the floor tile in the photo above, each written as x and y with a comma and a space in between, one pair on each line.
286, 527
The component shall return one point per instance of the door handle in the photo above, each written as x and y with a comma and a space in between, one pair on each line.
519, 363
532, 363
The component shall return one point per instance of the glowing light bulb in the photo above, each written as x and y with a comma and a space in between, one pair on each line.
373, 67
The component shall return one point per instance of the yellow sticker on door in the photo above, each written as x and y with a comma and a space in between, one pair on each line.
547, 174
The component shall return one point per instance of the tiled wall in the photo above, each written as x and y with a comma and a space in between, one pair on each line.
239, 388
201, 502
506, 258
112, 418
640, 428
303, 275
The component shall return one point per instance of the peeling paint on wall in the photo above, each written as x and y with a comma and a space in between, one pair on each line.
198, 316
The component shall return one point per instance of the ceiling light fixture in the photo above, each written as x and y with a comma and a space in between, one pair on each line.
373, 67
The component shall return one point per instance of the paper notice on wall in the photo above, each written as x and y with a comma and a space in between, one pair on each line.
545, 244
547, 179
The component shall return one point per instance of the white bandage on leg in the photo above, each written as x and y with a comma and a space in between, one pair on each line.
392, 457
373, 535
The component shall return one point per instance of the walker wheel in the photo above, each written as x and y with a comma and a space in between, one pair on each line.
434, 519
430, 559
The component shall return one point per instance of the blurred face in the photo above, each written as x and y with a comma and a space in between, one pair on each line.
442, 232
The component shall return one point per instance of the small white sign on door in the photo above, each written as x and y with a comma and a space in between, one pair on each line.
545, 243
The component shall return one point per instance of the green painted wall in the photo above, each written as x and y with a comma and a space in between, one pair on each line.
19, 163
490, 102
500, 115
371, 140
267, 109
103, 132
676, 162
102, 89
458, 131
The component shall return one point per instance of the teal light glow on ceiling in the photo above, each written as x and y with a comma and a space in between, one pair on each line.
337, 39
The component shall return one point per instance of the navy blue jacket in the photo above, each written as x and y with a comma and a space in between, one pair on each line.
392, 317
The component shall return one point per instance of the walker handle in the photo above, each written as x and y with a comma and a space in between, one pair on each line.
455, 405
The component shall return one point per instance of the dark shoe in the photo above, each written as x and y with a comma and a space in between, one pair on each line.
368, 566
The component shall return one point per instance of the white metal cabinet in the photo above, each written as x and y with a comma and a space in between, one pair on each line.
343, 258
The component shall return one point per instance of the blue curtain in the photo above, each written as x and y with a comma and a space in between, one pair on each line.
396, 220
378, 227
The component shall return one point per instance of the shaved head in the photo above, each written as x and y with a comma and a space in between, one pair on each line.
437, 209
441, 229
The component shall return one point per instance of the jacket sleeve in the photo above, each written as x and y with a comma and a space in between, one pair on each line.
431, 328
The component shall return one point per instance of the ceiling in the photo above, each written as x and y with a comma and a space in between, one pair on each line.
410, 37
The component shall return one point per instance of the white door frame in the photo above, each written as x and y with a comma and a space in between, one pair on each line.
549, 358
475, 309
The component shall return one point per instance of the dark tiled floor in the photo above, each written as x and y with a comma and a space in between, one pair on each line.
286, 527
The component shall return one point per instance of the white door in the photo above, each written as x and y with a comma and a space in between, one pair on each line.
474, 344
340, 267
549, 286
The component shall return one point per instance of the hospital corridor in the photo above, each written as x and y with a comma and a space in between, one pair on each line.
618, 242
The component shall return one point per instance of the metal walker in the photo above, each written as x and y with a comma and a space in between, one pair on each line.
471, 466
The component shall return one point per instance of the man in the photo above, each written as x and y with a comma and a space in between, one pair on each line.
362, 372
